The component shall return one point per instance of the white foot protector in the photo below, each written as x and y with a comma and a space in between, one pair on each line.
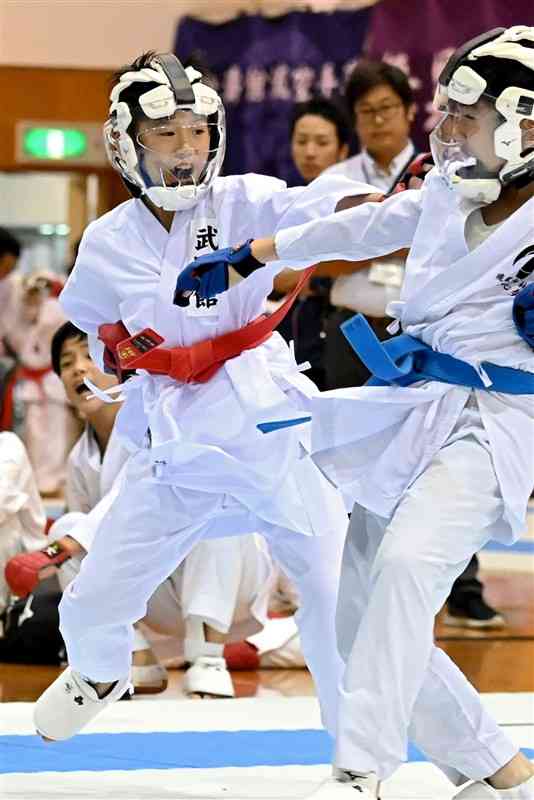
346, 784
209, 675
69, 704
480, 790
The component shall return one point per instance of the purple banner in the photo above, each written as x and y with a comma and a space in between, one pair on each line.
421, 42
265, 65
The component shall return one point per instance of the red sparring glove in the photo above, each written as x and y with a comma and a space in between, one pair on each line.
23, 572
415, 174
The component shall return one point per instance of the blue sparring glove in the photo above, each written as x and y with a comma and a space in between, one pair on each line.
523, 313
208, 275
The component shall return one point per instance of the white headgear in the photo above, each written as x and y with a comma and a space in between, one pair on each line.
461, 86
177, 89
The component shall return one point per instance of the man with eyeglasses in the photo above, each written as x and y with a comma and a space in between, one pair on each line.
380, 101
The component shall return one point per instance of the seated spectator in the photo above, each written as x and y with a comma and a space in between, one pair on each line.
220, 593
22, 515
30, 316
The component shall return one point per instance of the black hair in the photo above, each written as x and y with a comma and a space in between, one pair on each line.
367, 75
67, 331
327, 109
8, 244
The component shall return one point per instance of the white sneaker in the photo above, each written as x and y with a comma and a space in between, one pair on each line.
69, 704
209, 675
480, 790
347, 784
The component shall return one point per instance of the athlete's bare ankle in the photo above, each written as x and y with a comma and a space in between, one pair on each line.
517, 771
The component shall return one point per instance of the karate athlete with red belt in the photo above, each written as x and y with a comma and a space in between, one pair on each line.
208, 371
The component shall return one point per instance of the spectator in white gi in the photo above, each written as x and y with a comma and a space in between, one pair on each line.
22, 514
30, 316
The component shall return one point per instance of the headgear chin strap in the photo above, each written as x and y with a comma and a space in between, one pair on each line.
171, 88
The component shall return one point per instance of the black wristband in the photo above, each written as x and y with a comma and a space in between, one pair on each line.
247, 266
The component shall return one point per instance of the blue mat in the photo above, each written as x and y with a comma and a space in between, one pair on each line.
157, 750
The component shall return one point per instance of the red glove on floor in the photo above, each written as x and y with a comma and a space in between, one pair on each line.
23, 572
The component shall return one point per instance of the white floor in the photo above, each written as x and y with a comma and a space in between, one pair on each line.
414, 780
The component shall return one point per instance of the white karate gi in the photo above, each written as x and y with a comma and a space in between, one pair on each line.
22, 514
214, 473
226, 582
435, 471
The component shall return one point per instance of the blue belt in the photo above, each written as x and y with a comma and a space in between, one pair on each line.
403, 360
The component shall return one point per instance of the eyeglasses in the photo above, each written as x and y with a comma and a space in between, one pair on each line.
385, 112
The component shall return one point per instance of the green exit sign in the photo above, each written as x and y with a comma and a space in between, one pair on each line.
54, 143
59, 144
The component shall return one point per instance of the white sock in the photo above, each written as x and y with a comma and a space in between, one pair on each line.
195, 644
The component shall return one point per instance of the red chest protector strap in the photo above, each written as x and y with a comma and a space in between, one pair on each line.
195, 364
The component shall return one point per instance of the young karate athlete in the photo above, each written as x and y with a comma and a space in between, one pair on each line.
437, 454
200, 467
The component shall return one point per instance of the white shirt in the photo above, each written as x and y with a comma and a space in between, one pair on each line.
369, 291
21, 507
204, 440
456, 300
362, 167
476, 230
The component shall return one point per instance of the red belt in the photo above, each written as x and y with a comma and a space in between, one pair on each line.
197, 363
32, 373
7, 401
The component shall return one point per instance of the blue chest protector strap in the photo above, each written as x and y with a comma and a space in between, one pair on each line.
404, 360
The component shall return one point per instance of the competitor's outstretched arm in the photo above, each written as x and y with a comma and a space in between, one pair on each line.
367, 231
356, 234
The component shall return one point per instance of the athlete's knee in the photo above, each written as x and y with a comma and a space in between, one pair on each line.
398, 565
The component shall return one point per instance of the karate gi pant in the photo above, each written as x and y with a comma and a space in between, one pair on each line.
396, 575
143, 539
225, 582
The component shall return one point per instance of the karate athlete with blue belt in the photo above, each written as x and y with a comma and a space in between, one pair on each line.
436, 455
